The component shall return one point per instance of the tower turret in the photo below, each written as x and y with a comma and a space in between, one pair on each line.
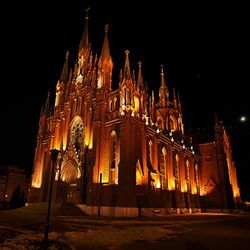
140, 85
163, 91
105, 64
127, 85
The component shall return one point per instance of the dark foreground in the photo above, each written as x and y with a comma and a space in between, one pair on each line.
200, 231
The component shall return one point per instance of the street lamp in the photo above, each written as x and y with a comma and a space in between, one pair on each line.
54, 154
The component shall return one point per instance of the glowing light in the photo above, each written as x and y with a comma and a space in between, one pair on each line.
146, 122
158, 130
158, 184
243, 118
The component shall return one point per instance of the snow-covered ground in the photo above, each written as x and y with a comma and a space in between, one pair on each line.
91, 233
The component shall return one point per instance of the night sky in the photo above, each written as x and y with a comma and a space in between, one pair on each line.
204, 50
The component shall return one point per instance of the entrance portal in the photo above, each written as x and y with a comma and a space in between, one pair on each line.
70, 174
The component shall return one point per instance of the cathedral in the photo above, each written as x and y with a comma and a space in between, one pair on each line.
121, 152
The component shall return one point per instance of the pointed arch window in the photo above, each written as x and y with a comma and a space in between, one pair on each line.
196, 176
172, 124
163, 168
139, 173
176, 172
187, 176
113, 158
110, 106
150, 148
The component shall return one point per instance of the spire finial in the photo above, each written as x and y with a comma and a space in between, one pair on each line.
162, 77
140, 78
106, 28
84, 43
64, 74
87, 13
67, 55
127, 73
127, 52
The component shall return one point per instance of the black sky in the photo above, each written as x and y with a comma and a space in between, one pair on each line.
204, 49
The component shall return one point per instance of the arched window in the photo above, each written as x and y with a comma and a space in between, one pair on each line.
187, 166
196, 176
117, 103
163, 167
176, 172
77, 134
136, 100
172, 124
139, 173
113, 158
110, 106
150, 148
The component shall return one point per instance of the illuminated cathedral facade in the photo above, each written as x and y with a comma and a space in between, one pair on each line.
121, 152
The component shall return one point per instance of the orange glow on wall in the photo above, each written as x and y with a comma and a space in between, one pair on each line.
136, 104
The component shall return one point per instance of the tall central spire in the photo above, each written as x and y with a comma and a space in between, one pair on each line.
84, 43
105, 48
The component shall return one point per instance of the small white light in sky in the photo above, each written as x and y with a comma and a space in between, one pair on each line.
243, 118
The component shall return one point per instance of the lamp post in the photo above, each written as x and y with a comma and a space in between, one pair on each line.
54, 154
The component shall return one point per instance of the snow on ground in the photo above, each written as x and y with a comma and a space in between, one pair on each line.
77, 233
108, 236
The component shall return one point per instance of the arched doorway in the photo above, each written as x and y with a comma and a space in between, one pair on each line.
70, 174
73, 160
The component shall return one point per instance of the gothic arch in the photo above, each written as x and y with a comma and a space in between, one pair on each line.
176, 171
139, 173
163, 168
113, 157
76, 132
69, 171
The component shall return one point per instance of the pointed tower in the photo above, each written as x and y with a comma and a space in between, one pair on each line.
140, 85
84, 51
168, 116
47, 106
127, 85
60, 87
127, 71
84, 43
163, 91
105, 64
65, 70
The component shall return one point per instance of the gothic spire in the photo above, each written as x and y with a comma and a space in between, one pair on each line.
127, 72
105, 47
163, 91
46, 108
84, 43
162, 77
179, 102
64, 74
140, 78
